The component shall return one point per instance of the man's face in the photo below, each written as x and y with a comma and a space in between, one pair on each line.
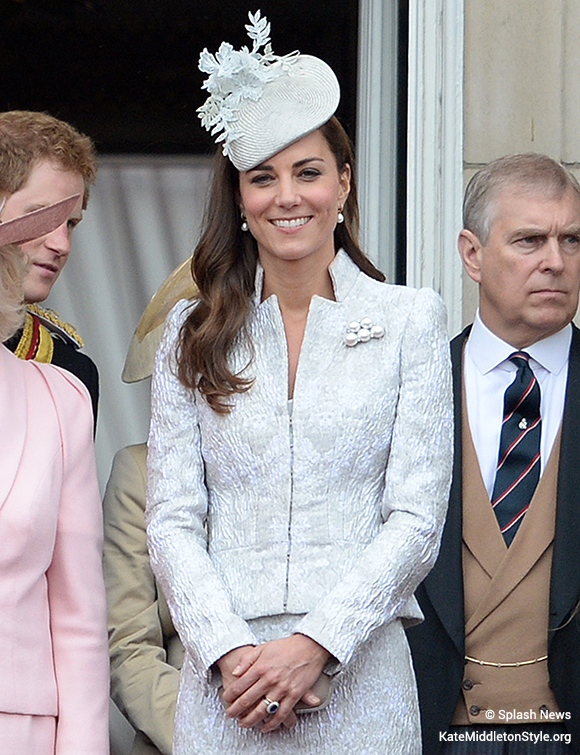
529, 269
47, 255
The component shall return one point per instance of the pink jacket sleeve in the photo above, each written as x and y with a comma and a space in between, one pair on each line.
75, 583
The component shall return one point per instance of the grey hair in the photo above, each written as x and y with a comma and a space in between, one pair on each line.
12, 272
529, 172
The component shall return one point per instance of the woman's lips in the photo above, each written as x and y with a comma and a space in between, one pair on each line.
290, 222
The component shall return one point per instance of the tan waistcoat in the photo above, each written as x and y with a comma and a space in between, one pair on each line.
507, 597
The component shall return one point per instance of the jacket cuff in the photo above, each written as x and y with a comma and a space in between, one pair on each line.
236, 634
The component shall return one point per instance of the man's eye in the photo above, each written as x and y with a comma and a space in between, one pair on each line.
529, 241
572, 240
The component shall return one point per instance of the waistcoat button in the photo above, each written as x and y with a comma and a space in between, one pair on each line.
474, 710
468, 684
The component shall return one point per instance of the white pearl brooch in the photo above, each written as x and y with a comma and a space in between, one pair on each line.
363, 331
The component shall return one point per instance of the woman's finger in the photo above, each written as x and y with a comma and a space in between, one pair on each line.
259, 715
246, 661
290, 720
285, 712
283, 671
241, 705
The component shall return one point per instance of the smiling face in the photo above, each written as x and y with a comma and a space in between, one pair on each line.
529, 270
291, 201
47, 183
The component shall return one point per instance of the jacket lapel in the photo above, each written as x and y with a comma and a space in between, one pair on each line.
491, 550
565, 580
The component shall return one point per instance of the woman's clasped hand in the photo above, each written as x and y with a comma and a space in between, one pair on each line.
280, 671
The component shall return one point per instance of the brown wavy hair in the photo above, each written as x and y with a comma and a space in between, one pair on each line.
224, 268
26, 137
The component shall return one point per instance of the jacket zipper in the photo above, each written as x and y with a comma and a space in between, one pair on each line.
291, 432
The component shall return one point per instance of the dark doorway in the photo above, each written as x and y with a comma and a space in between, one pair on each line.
125, 71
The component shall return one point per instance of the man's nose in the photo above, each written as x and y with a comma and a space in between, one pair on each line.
59, 239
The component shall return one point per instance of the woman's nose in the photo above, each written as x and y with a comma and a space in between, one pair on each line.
288, 195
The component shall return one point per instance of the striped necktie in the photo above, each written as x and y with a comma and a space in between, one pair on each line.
518, 467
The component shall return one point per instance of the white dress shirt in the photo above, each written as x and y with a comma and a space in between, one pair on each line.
488, 372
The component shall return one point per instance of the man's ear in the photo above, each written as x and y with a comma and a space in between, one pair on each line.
470, 250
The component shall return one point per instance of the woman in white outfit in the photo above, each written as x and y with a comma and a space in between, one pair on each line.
300, 445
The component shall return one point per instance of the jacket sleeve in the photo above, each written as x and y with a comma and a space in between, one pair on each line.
417, 480
76, 590
176, 512
143, 684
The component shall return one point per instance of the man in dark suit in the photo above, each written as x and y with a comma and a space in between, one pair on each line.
498, 656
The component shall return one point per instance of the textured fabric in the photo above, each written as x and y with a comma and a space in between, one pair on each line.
373, 708
343, 504
518, 466
144, 647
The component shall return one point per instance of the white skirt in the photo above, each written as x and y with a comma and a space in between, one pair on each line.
373, 709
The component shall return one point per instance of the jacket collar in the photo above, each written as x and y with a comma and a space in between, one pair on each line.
343, 273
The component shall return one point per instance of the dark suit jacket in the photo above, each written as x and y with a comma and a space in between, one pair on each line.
438, 644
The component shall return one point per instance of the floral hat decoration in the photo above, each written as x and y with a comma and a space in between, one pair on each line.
260, 102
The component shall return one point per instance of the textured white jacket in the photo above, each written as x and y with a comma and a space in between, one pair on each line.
333, 512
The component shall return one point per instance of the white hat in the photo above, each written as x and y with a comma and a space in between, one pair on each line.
141, 355
262, 102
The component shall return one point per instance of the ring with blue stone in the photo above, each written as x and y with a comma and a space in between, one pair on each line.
271, 706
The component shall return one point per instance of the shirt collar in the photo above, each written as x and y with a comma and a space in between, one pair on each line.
488, 351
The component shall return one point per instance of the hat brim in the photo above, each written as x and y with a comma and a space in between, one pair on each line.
141, 355
38, 223
289, 108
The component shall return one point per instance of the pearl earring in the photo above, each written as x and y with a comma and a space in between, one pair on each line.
245, 226
340, 217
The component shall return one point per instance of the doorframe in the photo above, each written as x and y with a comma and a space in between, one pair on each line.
434, 142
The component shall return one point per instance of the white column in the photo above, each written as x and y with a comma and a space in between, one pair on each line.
435, 149
376, 130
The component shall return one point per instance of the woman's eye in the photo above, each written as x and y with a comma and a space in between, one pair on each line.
262, 178
310, 173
